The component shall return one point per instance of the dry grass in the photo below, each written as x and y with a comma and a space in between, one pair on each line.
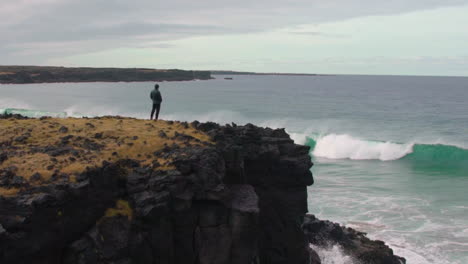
120, 138
121, 208
8, 192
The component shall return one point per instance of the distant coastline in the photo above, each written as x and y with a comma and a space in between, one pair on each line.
49, 74
215, 72
52, 74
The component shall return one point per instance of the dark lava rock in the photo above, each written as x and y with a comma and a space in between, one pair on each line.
7, 175
208, 126
63, 129
56, 151
91, 145
182, 137
162, 134
13, 116
3, 157
23, 138
108, 241
41, 222
36, 177
90, 125
314, 257
354, 243
17, 181
66, 139
195, 124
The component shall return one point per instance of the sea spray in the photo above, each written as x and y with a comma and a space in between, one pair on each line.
333, 255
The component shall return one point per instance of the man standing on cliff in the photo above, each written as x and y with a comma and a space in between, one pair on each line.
157, 99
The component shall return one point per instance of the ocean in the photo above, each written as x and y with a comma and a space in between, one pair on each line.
390, 152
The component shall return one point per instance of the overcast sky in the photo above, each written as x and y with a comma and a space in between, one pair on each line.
417, 37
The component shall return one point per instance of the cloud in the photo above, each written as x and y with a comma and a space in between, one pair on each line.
37, 29
318, 34
127, 30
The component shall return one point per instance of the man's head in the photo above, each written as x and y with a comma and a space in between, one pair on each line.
156, 86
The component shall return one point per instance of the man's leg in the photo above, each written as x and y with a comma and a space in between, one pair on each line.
158, 107
152, 111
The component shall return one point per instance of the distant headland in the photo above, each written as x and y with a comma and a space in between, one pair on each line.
49, 74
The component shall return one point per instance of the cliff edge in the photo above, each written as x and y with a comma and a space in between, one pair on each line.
123, 190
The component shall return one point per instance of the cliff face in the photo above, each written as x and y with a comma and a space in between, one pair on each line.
43, 74
237, 198
153, 192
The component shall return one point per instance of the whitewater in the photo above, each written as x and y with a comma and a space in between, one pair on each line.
390, 153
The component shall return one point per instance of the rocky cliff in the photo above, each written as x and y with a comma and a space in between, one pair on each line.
121, 190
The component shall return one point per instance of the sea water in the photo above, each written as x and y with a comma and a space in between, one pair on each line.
390, 152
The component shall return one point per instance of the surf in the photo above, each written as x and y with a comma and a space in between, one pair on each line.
344, 146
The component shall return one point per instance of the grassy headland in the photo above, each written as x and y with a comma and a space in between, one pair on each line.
36, 149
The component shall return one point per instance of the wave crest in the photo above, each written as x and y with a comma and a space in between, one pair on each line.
336, 146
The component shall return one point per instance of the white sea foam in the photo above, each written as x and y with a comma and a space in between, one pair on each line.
411, 256
299, 138
333, 255
334, 146
423, 254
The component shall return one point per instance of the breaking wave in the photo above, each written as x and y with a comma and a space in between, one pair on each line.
333, 255
335, 146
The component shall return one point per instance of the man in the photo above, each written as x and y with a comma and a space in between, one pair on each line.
157, 99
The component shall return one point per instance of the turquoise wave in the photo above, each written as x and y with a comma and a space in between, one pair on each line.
437, 153
420, 156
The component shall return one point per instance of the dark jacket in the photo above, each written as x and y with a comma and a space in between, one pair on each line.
156, 96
